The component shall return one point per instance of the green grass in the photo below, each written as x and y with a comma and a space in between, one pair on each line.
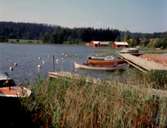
24, 41
158, 79
153, 50
123, 103
75, 103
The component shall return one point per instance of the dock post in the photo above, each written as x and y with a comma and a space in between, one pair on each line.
53, 63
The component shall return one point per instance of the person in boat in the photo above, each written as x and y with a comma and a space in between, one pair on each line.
5, 81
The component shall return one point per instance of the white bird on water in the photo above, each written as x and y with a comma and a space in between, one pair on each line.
15, 64
38, 66
57, 61
43, 62
11, 68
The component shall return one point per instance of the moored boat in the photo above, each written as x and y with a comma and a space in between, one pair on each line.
8, 88
133, 51
104, 61
6, 81
15, 91
101, 58
105, 68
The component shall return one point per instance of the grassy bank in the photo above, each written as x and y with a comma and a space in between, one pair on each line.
24, 41
75, 103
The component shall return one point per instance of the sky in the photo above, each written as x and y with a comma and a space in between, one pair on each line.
132, 15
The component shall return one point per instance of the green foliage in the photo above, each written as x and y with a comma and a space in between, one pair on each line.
54, 34
152, 43
158, 43
24, 41
76, 103
158, 79
133, 42
75, 41
3, 39
59, 35
39, 105
162, 43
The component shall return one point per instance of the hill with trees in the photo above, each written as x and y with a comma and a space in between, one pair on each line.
53, 34
59, 35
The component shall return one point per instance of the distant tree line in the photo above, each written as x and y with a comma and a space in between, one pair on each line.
59, 35
54, 34
151, 40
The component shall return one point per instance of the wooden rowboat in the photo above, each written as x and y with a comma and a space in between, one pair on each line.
132, 51
15, 91
8, 88
104, 61
107, 68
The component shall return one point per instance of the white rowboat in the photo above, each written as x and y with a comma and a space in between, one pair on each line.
107, 68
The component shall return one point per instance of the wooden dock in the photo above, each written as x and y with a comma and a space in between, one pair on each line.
63, 75
69, 75
142, 64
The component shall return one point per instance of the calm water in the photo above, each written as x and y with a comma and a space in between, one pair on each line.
29, 56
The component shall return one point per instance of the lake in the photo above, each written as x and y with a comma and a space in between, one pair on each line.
29, 56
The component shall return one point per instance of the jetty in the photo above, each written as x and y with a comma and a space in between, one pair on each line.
141, 63
63, 74
69, 75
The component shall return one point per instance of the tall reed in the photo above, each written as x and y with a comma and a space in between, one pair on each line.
75, 103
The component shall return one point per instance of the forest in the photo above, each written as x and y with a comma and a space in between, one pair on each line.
59, 35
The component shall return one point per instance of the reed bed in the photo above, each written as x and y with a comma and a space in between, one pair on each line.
71, 103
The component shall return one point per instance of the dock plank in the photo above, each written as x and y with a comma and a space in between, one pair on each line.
142, 63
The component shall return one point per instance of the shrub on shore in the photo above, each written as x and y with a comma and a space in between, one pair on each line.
157, 79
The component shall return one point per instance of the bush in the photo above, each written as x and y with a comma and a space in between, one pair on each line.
158, 79
158, 43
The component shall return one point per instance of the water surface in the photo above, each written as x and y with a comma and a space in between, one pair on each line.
29, 56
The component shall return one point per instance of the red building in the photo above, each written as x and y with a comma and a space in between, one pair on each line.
119, 44
98, 43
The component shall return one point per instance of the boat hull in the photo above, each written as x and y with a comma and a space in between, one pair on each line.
14, 92
105, 62
105, 68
